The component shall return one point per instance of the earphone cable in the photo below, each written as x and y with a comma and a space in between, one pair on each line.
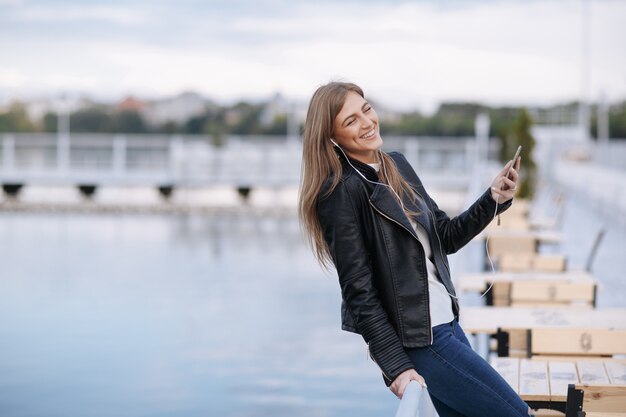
386, 185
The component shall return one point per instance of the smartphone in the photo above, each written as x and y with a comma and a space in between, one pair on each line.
517, 152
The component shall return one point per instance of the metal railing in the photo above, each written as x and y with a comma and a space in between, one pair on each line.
200, 160
410, 403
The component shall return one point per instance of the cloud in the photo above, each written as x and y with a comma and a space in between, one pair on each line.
11, 78
80, 13
405, 54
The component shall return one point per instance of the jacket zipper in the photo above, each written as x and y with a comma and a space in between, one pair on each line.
401, 225
437, 234
369, 353
445, 264
440, 251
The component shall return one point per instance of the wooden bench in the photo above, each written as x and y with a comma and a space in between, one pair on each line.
522, 262
520, 208
556, 293
519, 241
562, 289
479, 282
518, 217
576, 387
487, 320
511, 220
561, 341
506, 242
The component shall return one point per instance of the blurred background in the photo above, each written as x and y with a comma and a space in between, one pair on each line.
151, 261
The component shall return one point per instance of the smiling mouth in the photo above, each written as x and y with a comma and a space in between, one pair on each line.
369, 134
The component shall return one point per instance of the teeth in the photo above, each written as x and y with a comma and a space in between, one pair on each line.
368, 134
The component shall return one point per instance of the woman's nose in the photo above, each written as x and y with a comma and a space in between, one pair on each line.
366, 124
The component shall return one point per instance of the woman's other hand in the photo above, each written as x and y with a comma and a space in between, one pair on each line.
400, 383
503, 188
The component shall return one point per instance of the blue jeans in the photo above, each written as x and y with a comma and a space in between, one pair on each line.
460, 382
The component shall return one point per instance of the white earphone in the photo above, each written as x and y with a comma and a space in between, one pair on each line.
400, 200
386, 185
365, 178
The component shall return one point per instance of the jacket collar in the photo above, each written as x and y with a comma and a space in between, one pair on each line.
363, 168
382, 198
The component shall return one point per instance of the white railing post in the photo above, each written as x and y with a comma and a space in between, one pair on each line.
8, 154
176, 158
411, 151
471, 155
63, 152
119, 155
63, 136
481, 127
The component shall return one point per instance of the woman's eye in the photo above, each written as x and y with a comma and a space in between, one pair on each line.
351, 122
368, 109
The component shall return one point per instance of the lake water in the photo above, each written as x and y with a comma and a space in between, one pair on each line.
224, 315
173, 316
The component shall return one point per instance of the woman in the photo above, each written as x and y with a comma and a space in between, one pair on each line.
367, 213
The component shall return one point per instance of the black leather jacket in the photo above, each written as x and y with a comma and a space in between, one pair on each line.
381, 263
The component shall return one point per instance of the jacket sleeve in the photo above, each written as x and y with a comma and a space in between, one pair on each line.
460, 230
341, 227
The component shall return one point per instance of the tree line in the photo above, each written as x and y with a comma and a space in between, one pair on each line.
451, 119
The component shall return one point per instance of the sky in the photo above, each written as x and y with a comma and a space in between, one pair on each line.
405, 54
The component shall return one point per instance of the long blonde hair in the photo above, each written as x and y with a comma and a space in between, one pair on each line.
319, 161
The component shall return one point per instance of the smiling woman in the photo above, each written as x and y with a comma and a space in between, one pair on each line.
367, 213
356, 129
340, 115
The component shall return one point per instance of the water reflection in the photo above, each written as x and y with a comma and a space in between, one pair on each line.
224, 315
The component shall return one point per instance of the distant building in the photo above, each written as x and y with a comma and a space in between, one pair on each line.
177, 109
277, 106
131, 104
37, 108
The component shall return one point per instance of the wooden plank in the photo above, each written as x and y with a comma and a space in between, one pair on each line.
520, 262
521, 207
552, 291
592, 373
515, 262
508, 368
549, 304
502, 243
561, 374
553, 263
479, 281
501, 291
616, 371
578, 341
539, 236
533, 381
566, 358
518, 343
510, 221
548, 413
604, 398
488, 319
518, 340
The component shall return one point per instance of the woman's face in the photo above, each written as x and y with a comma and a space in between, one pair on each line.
356, 129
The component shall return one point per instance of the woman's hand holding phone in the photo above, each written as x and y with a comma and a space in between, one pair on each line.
504, 184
